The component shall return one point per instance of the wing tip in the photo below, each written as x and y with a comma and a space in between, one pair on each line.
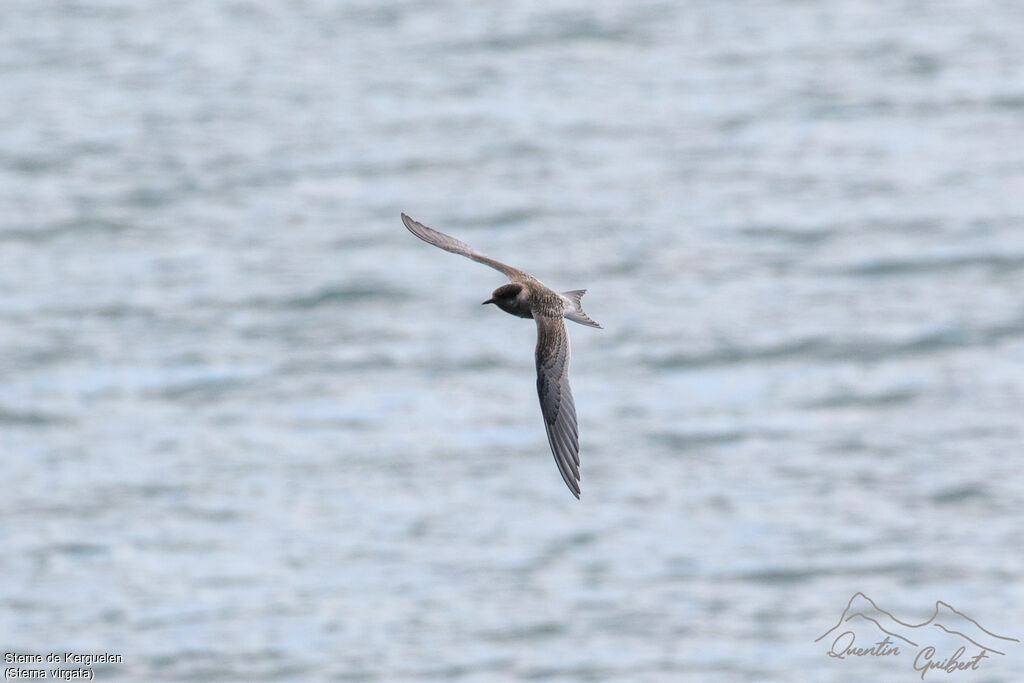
420, 230
567, 467
573, 485
575, 488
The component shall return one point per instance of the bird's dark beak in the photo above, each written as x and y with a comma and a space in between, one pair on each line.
489, 301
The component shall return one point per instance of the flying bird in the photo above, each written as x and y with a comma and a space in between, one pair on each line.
527, 297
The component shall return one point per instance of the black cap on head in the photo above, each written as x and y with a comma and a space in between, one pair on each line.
509, 291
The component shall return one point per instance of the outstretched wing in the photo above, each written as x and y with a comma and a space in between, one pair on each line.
556, 402
449, 243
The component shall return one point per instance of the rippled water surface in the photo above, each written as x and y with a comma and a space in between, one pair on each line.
252, 429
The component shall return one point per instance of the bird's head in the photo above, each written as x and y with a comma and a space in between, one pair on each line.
507, 298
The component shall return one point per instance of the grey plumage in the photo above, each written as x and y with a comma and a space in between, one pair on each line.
449, 243
527, 297
556, 404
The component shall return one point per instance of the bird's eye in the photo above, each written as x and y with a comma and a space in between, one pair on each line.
508, 292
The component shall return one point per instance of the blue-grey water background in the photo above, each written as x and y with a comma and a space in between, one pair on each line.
252, 429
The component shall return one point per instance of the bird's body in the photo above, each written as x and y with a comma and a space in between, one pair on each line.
527, 297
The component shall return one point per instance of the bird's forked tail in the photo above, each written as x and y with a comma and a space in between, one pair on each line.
574, 308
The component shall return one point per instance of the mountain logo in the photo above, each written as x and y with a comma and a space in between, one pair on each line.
948, 641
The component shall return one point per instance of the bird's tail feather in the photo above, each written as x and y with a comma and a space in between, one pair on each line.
574, 308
